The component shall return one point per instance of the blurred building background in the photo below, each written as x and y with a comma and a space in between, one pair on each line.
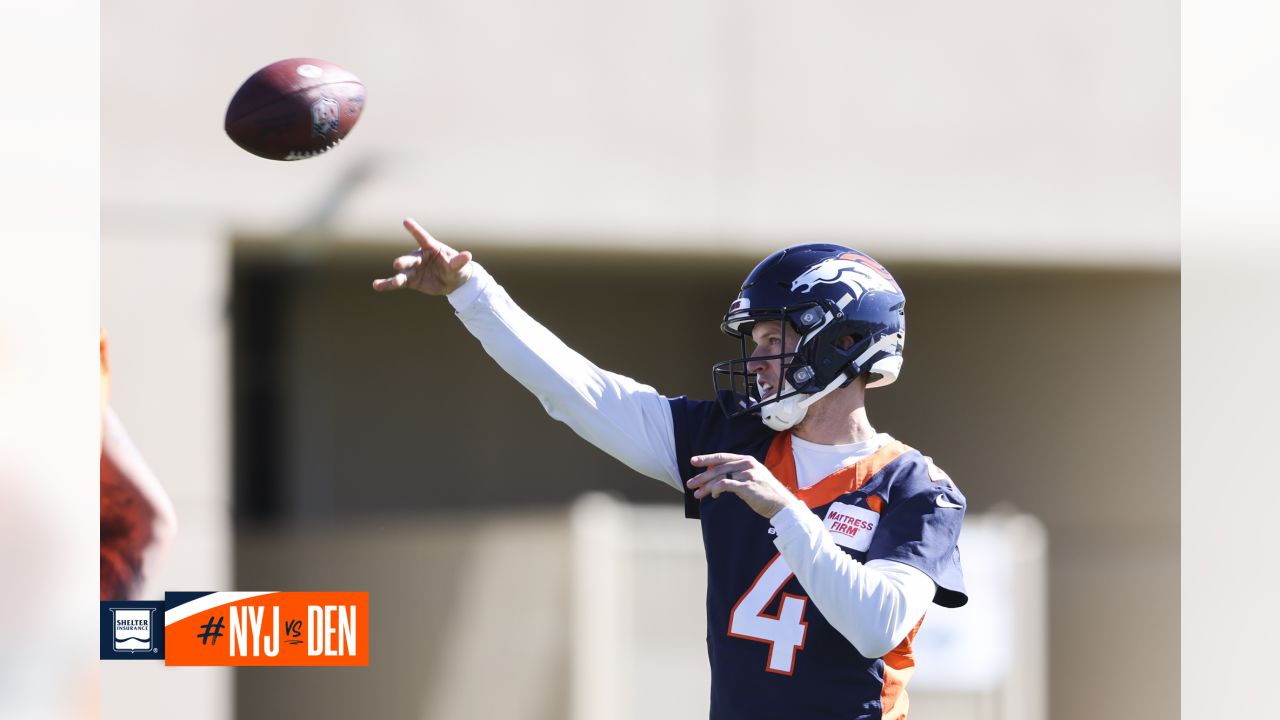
620, 167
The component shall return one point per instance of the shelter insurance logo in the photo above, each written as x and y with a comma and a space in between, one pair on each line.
131, 630
267, 628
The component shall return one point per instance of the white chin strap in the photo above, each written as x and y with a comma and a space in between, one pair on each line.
788, 412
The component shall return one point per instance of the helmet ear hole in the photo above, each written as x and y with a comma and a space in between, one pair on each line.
848, 341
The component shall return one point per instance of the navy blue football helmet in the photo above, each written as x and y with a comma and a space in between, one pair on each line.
823, 294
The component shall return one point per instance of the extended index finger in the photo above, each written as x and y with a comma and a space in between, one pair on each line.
430, 246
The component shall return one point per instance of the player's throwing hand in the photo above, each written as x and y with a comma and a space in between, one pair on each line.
434, 268
743, 476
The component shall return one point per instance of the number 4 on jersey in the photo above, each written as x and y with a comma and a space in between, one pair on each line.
784, 632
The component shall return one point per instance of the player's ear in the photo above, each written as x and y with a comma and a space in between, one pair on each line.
846, 342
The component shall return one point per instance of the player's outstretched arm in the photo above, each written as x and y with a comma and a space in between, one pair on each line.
626, 419
434, 268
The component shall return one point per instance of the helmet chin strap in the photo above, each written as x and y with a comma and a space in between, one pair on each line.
788, 412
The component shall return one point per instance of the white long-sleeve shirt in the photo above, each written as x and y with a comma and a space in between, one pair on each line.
873, 604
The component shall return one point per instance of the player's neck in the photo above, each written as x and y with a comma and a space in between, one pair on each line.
838, 419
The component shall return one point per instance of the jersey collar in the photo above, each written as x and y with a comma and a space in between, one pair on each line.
848, 479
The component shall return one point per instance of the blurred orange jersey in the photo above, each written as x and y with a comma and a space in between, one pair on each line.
125, 515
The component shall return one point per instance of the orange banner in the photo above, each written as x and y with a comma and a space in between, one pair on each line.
267, 628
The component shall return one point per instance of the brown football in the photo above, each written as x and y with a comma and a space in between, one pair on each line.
295, 109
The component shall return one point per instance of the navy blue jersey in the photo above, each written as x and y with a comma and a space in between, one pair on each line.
772, 653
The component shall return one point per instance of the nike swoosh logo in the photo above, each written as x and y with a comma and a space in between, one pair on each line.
944, 502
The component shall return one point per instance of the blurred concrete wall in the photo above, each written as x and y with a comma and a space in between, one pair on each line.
467, 616
985, 129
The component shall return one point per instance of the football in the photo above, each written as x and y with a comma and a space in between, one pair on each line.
295, 109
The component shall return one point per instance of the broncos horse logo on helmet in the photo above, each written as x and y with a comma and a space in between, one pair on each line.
859, 272
824, 294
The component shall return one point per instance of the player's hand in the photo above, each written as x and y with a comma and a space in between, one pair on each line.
434, 268
743, 476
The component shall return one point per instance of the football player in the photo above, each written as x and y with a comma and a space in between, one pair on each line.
136, 516
836, 537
